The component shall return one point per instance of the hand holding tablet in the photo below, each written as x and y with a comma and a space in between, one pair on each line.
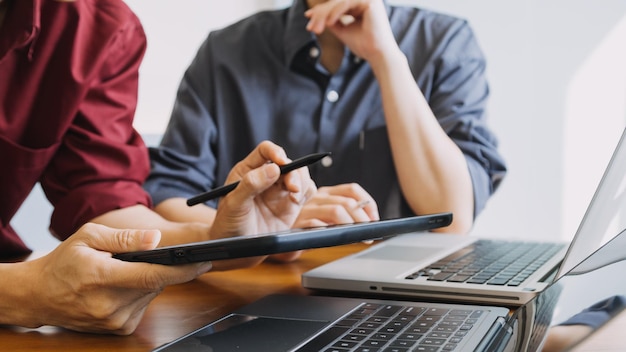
287, 241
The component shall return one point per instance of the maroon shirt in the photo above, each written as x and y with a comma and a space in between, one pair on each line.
68, 92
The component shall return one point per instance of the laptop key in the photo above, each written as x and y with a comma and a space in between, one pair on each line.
409, 336
402, 343
388, 311
354, 337
459, 278
440, 277
347, 322
449, 347
344, 344
433, 341
374, 343
396, 349
436, 312
324, 339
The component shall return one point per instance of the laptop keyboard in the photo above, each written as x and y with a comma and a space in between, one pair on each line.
395, 328
491, 262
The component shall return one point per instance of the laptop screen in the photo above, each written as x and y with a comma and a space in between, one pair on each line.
573, 307
606, 214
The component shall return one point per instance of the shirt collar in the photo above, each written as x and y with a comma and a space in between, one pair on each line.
296, 35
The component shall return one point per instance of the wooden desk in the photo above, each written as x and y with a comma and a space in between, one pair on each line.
182, 308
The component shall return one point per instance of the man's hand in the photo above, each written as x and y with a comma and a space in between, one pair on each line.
80, 287
264, 201
362, 25
341, 204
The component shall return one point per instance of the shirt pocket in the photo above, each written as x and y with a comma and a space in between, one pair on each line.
22, 169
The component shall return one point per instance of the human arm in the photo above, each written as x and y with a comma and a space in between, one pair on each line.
263, 202
79, 286
274, 209
99, 168
563, 337
340, 204
246, 210
435, 149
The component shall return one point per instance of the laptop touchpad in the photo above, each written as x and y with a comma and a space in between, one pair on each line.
409, 254
249, 333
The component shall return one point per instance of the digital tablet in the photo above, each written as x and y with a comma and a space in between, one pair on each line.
286, 241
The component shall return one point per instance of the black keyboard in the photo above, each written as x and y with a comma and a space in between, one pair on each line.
394, 328
491, 262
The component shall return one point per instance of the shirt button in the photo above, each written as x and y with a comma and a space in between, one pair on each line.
357, 60
332, 96
314, 52
327, 161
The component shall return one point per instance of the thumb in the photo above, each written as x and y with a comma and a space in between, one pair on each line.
112, 240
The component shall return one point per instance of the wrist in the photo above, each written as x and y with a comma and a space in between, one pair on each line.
387, 61
180, 233
17, 294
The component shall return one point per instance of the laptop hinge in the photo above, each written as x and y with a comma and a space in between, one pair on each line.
551, 275
497, 337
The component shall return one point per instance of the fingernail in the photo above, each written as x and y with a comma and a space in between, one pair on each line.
346, 20
150, 238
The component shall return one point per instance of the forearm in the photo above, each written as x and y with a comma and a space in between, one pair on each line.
141, 217
16, 298
176, 209
432, 170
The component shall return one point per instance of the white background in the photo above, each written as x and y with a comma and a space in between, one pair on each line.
557, 70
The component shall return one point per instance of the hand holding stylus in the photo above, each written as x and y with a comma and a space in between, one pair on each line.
224, 190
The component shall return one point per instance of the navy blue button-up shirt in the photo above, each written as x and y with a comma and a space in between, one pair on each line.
260, 79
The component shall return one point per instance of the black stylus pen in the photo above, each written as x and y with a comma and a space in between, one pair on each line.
224, 190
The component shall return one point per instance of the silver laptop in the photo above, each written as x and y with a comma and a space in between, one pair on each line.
473, 269
315, 323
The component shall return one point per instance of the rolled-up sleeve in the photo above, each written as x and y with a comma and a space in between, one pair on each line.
102, 161
460, 101
185, 162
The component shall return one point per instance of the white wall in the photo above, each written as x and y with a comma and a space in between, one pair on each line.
558, 73
175, 30
558, 82
558, 77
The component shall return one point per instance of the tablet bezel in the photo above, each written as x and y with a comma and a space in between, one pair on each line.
286, 241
